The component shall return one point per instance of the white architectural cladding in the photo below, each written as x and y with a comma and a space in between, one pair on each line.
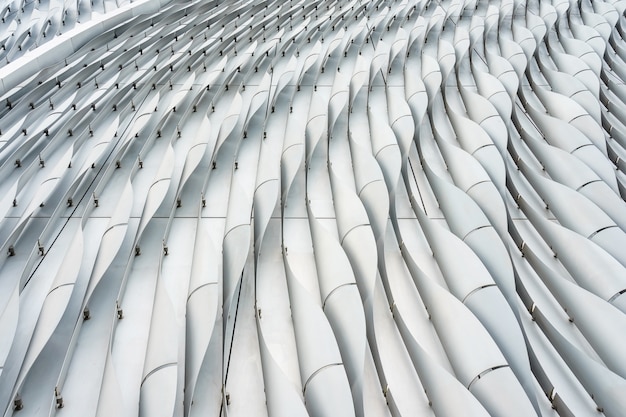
292, 208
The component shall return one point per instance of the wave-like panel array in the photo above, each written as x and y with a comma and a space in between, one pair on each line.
329, 208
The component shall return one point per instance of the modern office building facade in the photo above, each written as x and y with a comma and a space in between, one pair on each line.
326, 208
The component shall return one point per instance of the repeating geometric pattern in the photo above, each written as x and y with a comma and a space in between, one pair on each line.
330, 208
